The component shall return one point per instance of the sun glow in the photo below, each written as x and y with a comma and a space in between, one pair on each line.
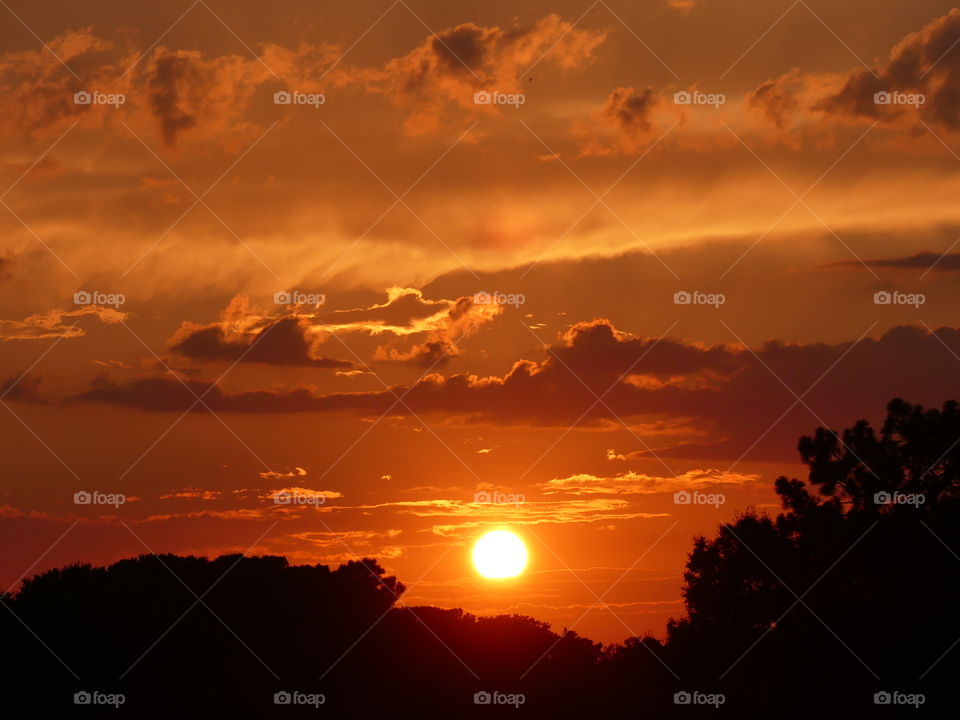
499, 554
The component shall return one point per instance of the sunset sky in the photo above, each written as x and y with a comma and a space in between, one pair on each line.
387, 297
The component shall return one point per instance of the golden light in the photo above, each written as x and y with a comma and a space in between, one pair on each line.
499, 554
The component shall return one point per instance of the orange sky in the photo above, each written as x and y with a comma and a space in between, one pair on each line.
479, 297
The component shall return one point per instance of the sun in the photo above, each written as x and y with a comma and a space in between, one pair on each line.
499, 554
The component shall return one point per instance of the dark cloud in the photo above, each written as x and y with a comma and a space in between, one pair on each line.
630, 110
925, 62
624, 125
423, 332
719, 399
22, 389
187, 91
281, 342
176, 90
436, 80
777, 99
920, 261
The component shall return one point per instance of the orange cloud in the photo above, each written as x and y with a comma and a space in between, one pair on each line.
922, 66
55, 323
436, 81
626, 124
631, 483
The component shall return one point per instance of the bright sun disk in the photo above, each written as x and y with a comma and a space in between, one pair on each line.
499, 554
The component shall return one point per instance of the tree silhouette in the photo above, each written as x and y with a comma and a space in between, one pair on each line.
867, 545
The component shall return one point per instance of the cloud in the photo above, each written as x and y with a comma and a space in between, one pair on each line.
687, 399
684, 7
22, 389
293, 337
351, 538
321, 495
189, 92
461, 319
624, 125
38, 91
192, 493
245, 334
435, 82
923, 62
631, 483
276, 475
208, 96
531, 512
949, 262
592, 354
778, 99
404, 311
55, 323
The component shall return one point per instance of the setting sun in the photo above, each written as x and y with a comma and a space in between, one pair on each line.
499, 554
